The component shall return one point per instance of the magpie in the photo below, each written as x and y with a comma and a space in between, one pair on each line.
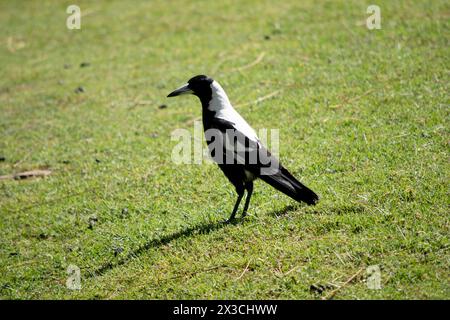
230, 137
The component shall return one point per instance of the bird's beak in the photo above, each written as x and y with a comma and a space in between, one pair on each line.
181, 90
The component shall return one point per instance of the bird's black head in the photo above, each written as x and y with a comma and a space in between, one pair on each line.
199, 85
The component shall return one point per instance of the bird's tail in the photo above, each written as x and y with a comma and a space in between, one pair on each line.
285, 182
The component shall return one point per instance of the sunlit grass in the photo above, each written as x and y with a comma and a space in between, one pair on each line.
363, 118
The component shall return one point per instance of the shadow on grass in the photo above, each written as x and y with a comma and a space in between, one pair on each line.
204, 228
285, 210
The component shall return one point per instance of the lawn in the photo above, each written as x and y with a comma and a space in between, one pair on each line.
363, 118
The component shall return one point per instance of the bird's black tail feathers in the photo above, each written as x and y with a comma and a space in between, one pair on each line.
285, 182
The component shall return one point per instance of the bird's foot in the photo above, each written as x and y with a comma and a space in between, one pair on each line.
234, 219
229, 220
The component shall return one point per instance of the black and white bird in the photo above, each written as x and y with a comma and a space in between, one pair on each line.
229, 136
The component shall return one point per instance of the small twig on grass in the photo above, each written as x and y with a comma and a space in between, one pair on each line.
26, 174
216, 68
333, 293
293, 269
260, 99
339, 257
245, 270
254, 63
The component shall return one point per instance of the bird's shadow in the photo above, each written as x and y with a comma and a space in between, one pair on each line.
203, 228
286, 210
283, 211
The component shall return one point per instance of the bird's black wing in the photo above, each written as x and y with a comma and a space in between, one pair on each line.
229, 146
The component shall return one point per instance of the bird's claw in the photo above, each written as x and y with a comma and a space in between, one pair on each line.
234, 219
229, 220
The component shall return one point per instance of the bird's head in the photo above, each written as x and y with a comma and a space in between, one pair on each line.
211, 94
198, 85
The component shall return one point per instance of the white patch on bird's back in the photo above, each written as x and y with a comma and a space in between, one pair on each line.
224, 110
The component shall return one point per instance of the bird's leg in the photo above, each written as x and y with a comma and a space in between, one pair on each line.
249, 187
236, 206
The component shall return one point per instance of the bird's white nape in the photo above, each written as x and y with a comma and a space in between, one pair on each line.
221, 105
219, 99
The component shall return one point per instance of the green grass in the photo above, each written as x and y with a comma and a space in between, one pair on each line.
364, 120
